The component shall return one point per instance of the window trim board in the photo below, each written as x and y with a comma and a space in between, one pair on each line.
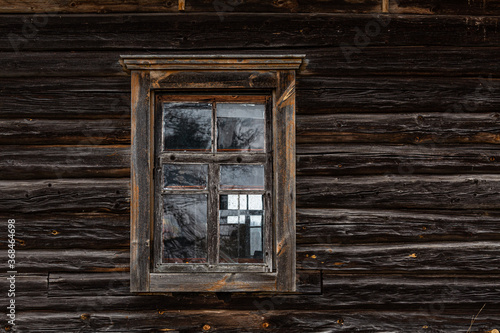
149, 73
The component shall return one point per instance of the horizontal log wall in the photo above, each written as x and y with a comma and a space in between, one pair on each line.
398, 127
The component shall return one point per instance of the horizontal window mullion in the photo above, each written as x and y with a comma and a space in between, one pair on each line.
184, 191
168, 157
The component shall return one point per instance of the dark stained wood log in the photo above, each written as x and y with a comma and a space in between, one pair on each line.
62, 131
451, 258
231, 321
446, 7
222, 7
323, 94
64, 85
370, 226
443, 257
325, 226
395, 192
39, 162
435, 291
65, 97
118, 284
370, 159
69, 231
58, 195
64, 104
443, 128
25, 285
239, 30
110, 96
70, 260
443, 61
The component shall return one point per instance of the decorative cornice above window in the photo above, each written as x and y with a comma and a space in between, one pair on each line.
212, 62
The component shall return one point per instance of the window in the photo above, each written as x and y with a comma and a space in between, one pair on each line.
213, 173
212, 196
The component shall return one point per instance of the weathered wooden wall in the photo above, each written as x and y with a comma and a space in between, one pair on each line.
398, 181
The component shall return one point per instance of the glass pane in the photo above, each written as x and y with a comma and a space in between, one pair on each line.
185, 176
241, 177
187, 126
184, 233
240, 220
240, 127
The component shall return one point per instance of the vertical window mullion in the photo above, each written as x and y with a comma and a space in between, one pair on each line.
268, 230
213, 199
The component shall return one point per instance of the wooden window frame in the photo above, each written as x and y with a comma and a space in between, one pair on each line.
208, 75
215, 158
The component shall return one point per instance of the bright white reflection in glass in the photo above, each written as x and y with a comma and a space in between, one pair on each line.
241, 227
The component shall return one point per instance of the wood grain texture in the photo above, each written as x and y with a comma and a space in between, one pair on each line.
238, 31
93, 97
141, 181
388, 94
69, 231
30, 284
396, 191
423, 128
371, 159
42, 131
41, 162
418, 320
447, 7
221, 7
118, 284
454, 258
65, 195
284, 194
70, 260
373, 226
431, 258
447, 61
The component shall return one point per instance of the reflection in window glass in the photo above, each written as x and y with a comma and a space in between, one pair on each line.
184, 233
185, 176
240, 220
187, 126
241, 177
240, 127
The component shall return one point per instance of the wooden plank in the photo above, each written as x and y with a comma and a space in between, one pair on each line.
329, 61
372, 159
423, 128
442, 292
221, 7
32, 104
213, 282
70, 260
142, 168
24, 285
64, 195
69, 231
252, 320
40, 162
284, 195
396, 191
371, 226
118, 284
446, 7
65, 131
333, 94
213, 80
77, 97
237, 31
432, 258
64, 85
